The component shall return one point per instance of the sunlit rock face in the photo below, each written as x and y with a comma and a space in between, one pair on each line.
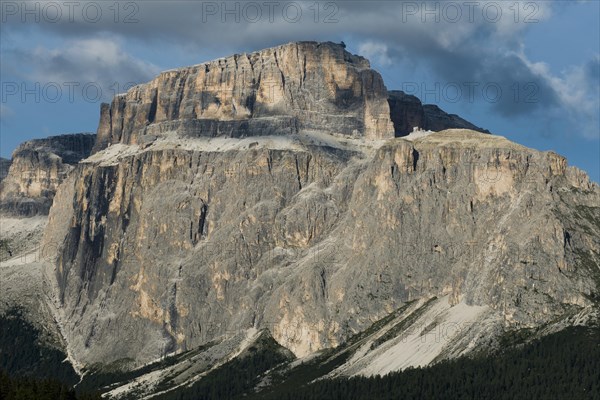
303, 85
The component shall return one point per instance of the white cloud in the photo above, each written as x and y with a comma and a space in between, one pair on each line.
91, 59
516, 16
376, 52
578, 94
101, 62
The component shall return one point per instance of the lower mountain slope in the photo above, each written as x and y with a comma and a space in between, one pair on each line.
521, 364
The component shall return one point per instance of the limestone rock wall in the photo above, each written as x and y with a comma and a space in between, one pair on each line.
407, 112
36, 170
303, 85
167, 238
4, 167
168, 249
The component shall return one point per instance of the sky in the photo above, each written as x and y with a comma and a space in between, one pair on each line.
527, 70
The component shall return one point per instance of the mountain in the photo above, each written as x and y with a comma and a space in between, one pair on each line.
268, 209
407, 112
37, 168
29, 182
278, 91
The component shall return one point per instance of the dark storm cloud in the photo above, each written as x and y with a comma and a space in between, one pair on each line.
502, 80
249, 23
94, 68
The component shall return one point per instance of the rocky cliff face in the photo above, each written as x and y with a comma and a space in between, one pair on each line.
36, 170
305, 85
4, 166
168, 247
407, 112
211, 214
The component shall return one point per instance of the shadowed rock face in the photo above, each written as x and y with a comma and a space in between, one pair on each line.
407, 112
437, 120
304, 85
4, 166
36, 170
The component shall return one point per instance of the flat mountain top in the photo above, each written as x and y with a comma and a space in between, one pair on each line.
468, 138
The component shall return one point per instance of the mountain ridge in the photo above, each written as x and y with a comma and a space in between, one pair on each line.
181, 233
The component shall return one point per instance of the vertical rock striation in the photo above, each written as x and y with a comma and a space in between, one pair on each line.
168, 248
37, 168
295, 219
303, 85
4, 167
